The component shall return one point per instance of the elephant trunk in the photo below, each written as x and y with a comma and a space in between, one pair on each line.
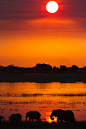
51, 116
26, 118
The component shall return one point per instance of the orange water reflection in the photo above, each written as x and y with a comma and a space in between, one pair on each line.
43, 97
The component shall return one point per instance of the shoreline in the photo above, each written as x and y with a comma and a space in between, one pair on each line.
43, 78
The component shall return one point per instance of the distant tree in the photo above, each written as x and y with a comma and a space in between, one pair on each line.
55, 70
43, 68
4, 69
63, 69
1, 67
74, 69
84, 68
11, 68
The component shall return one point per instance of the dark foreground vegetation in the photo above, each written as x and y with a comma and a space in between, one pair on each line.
42, 73
42, 125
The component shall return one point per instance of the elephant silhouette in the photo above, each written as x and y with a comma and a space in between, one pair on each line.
66, 115
33, 115
15, 118
1, 117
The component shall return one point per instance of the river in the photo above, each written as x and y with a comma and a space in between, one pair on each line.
43, 97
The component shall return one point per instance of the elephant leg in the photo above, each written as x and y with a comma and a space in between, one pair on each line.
61, 121
32, 119
39, 119
58, 120
71, 124
74, 122
11, 122
29, 119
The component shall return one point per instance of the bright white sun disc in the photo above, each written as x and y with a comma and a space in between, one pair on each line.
52, 6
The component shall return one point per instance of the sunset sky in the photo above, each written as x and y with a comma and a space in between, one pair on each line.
30, 35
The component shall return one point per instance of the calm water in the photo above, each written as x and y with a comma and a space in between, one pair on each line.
43, 97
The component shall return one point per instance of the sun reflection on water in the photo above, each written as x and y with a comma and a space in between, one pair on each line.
48, 119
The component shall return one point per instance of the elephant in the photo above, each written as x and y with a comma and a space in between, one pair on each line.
15, 118
1, 117
33, 115
66, 115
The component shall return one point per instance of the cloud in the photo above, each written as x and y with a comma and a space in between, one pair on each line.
76, 8
14, 12
33, 9
16, 9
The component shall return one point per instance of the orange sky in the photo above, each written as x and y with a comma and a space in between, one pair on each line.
40, 37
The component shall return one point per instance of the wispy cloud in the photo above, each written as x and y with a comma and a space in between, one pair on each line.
33, 9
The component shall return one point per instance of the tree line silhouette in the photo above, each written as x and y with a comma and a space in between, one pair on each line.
42, 68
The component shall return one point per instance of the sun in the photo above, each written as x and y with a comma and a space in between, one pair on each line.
52, 6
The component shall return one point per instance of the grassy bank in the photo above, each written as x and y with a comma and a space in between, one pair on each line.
42, 125
43, 78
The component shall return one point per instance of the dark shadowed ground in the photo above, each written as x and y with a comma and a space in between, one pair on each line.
41, 125
43, 78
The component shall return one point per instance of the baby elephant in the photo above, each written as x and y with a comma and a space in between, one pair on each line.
33, 115
15, 118
1, 117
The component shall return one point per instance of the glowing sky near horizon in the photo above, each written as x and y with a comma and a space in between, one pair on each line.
30, 35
